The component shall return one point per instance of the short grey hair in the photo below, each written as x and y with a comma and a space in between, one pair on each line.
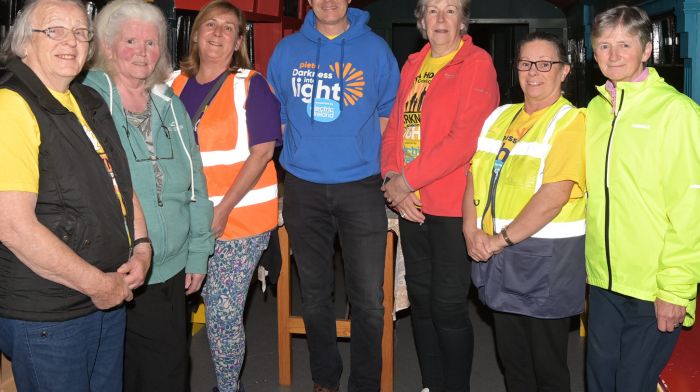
420, 14
109, 25
15, 44
633, 19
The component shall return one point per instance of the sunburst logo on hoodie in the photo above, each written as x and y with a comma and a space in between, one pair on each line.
353, 82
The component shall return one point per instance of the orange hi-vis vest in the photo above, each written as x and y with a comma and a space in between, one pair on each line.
223, 142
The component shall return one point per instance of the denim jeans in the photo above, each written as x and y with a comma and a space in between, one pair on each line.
314, 214
79, 355
438, 281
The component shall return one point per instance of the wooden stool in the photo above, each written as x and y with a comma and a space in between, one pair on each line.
288, 324
7, 383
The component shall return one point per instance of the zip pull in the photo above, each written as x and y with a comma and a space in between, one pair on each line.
160, 201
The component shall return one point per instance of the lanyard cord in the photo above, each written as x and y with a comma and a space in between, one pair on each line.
495, 176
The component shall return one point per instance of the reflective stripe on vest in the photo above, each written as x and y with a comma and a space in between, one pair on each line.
224, 153
526, 163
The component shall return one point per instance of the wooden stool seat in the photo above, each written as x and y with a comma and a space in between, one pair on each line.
287, 324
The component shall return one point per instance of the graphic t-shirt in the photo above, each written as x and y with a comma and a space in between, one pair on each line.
414, 103
565, 161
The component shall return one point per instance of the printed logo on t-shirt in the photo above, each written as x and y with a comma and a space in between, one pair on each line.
412, 115
327, 88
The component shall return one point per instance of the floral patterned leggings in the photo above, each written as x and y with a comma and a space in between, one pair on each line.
228, 279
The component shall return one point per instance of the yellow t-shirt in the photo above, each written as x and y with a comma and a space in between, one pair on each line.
566, 158
414, 102
19, 143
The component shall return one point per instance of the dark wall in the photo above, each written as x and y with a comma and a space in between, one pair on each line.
498, 26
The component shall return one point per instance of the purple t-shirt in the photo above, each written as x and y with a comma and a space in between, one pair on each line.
262, 108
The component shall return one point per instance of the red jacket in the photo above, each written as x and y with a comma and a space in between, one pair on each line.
458, 101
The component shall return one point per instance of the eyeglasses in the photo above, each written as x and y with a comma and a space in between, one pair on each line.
150, 157
59, 32
542, 66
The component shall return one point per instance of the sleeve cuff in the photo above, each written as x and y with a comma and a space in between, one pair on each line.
197, 263
671, 298
405, 180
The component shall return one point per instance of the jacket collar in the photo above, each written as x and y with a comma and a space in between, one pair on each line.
632, 87
161, 94
40, 91
460, 56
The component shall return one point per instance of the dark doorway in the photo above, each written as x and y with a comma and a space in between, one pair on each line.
501, 40
406, 39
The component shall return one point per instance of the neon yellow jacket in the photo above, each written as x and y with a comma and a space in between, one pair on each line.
643, 177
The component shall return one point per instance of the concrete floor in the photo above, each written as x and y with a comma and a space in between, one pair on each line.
260, 369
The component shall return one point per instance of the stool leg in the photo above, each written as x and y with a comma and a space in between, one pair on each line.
387, 381
284, 337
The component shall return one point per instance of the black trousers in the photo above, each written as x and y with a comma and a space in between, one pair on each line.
314, 214
438, 280
155, 351
533, 352
625, 350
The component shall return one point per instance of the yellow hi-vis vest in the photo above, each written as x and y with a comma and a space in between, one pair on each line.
223, 143
521, 175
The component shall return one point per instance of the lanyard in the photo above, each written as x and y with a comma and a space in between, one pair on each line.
205, 103
498, 164
110, 171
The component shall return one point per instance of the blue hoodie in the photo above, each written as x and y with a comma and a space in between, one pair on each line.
355, 84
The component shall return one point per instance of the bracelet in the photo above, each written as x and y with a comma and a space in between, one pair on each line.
142, 240
504, 233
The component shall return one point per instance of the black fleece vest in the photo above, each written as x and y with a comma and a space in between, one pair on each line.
76, 199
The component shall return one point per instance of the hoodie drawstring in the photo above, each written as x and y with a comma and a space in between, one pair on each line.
342, 75
313, 88
193, 197
318, 69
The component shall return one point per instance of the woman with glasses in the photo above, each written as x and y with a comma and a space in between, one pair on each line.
524, 220
238, 125
72, 235
131, 66
446, 91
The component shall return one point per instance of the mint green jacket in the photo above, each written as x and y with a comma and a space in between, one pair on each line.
179, 216
643, 178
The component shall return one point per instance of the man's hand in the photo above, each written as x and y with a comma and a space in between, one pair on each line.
110, 291
668, 315
136, 268
193, 282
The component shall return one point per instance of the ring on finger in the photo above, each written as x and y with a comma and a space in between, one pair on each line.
403, 214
